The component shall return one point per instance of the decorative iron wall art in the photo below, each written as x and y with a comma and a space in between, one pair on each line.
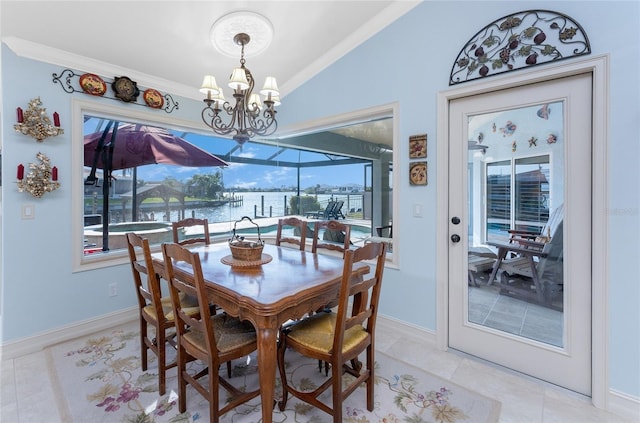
518, 41
123, 88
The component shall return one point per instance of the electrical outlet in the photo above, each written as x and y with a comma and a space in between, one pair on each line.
113, 289
28, 211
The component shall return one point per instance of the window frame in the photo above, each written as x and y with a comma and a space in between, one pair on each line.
80, 108
513, 222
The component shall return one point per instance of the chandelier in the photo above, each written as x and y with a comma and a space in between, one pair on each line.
249, 116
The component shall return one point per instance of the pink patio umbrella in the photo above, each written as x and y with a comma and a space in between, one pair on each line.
129, 145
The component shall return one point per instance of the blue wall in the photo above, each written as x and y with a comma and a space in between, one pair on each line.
409, 63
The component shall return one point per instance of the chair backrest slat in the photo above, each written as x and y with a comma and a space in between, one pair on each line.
333, 230
299, 226
188, 223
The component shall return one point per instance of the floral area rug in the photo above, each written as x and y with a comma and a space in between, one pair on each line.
98, 378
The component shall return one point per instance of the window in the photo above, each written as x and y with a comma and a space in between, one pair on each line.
264, 178
517, 195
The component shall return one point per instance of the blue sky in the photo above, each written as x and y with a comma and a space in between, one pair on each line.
250, 176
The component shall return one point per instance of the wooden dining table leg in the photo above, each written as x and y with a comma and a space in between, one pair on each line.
267, 362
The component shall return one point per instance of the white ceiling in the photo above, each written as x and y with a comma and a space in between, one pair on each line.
166, 44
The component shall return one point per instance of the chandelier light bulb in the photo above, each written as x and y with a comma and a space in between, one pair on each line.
219, 99
209, 86
238, 80
255, 104
270, 87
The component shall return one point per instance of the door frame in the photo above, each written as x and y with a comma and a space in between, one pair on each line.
598, 66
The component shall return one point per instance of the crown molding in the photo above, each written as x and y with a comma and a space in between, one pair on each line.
65, 59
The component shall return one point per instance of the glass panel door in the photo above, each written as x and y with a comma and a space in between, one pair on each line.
519, 173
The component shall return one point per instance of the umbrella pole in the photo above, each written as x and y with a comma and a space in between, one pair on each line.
106, 174
134, 194
107, 159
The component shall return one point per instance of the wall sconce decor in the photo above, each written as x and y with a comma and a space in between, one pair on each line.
35, 122
40, 178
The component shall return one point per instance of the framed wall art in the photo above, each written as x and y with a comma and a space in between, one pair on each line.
418, 146
418, 173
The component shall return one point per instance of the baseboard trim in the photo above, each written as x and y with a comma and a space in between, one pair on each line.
40, 341
412, 332
624, 405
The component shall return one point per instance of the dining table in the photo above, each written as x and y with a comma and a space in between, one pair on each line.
284, 285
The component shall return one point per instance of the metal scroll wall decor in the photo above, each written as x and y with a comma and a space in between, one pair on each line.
518, 41
122, 89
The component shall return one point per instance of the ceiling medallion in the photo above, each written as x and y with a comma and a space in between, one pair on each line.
253, 24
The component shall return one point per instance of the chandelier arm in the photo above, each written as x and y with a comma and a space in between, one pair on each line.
265, 125
212, 119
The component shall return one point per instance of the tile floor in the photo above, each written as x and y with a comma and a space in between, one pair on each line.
488, 308
27, 395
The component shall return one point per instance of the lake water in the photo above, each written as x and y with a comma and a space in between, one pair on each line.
270, 204
262, 204
266, 204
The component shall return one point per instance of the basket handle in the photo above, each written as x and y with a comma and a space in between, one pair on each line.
234, 236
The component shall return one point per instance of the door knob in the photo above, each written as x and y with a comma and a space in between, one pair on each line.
455, 220
455, 238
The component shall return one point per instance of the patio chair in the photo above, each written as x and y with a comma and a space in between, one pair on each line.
380, 231
336, 212
480, 260
321, 214
535, 258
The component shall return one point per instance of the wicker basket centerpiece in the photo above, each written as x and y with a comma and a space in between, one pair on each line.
242, 249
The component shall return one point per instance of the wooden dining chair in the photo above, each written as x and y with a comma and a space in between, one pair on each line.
336, 236
212, 339
188, 223
299, 236
154, 310
340, 337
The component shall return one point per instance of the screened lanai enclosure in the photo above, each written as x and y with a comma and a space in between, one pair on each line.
262, 178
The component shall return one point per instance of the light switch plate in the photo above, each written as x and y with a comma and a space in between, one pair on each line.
28, 211
417, 210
